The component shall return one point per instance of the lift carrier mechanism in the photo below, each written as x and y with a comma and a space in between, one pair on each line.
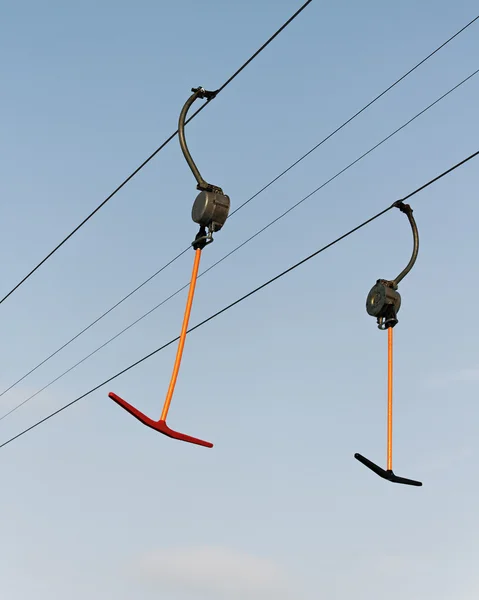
384, 302
210, 210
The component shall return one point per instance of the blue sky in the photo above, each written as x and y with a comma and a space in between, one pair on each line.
289, 384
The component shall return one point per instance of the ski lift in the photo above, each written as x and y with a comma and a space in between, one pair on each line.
210, 211
384, 302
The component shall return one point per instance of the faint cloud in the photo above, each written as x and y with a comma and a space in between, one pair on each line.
223, 572
22, 401
459, 376
444, 460
395, 565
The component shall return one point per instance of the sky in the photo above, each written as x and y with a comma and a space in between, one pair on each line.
290, 383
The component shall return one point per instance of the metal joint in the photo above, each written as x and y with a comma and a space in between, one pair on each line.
202, 239
202, 93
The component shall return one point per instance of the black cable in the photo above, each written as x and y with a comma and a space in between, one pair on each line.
359, 112
89, 326
244, 203
251, 293
145, 162
290, 209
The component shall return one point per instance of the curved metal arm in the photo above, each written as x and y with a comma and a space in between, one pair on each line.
197, 93
405, 208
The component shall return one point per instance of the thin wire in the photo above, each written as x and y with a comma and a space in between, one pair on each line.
145, 162
357, 113
242, 298
260, 231
453, 168
93, 323
249, 199
191, 329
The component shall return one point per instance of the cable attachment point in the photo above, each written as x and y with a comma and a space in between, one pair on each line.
404, 208
202, 239
384, 301
202, 93
211, 207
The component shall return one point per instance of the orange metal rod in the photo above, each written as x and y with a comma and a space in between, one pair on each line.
181, 344
390, 400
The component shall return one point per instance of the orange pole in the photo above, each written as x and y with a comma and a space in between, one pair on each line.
390, 400
181, 344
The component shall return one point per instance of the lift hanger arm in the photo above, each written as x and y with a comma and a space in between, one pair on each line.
197, 93
210, 211
384, 302
407, 210
211, 206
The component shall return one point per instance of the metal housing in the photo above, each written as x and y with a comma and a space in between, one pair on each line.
210, 209
381, 298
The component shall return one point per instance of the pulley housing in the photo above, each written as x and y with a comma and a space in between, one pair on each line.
383, 302
210, 209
